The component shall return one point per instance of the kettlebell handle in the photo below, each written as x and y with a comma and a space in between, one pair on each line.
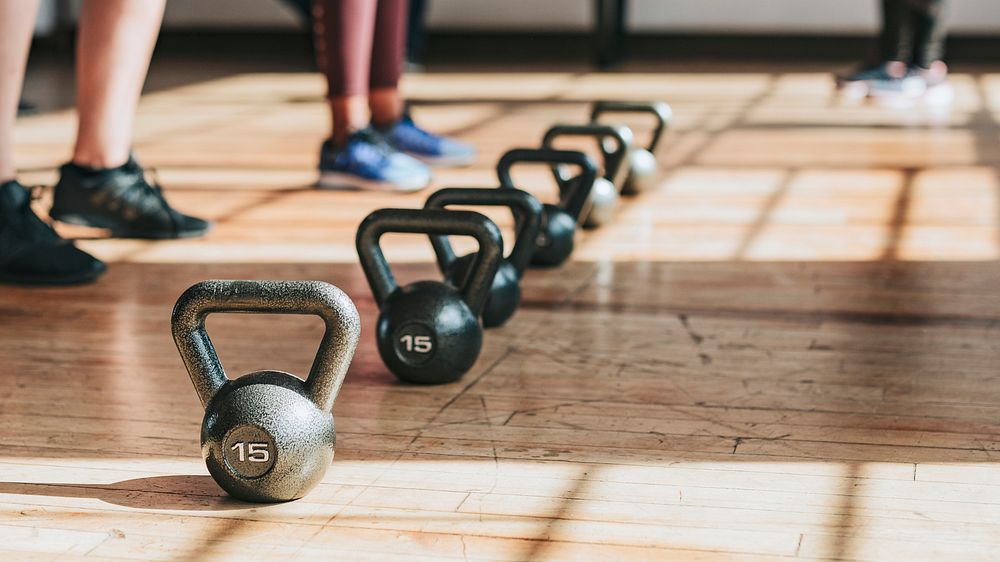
343, 329
573, 201
476, 288
661, 111
527, 213
614, 160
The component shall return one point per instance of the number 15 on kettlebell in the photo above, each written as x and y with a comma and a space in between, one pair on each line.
267, 436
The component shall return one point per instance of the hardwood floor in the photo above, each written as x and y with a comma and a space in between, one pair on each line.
786, 351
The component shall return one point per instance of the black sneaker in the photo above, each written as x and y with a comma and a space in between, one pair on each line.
31, 253
122, 201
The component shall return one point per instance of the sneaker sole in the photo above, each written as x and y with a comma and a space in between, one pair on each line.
939, 95
337, 181
894, 100
42, 281
84, 220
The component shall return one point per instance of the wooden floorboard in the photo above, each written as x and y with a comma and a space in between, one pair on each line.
786, 351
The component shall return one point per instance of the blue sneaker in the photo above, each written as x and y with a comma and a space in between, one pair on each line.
427, 147
367, 162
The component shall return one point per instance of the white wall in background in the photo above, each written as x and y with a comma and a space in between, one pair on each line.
797, 16
745, 16
513, 14
229, 13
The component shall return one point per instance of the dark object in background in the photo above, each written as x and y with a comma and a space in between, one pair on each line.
416, 33
26, 108
609, 32
304, 9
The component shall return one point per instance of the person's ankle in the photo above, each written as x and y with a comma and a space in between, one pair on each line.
385, 122
339, 140
937, 67
896, 69
386, 107
97, 163
8, 171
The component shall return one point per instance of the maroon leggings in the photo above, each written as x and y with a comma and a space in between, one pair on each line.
360, 44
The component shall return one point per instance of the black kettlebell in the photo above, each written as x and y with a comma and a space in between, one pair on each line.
267, 436
554, 243
429, 332
613, 143
642, 163
505, 293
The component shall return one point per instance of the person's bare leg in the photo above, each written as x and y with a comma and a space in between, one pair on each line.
17, 23
350, 114
32, 253
114, 45
386, 106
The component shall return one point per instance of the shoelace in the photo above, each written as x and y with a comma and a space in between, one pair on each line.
157, 187
144, 195
369, 153
370, 149
140, 186
377, 141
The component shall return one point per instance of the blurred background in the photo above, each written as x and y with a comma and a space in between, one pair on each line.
842, 17
842, 27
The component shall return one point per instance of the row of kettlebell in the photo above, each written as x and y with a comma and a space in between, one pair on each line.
269, 435
627, 169
429, 332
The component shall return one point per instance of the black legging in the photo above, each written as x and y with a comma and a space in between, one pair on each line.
913, 31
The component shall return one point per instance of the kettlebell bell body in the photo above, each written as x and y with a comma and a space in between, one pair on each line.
429, 332
505, 292
613, 142
642, 164
557, 229
642, 172
267, 436
264, 440
604, 203
556, 238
